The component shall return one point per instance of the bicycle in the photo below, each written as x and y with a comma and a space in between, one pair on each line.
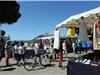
46, 57
30, 63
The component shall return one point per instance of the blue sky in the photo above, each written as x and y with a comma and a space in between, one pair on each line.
40, 16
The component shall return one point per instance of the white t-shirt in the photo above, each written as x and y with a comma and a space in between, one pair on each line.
21, 50
45, 47
64, 46
16, 49
36, 48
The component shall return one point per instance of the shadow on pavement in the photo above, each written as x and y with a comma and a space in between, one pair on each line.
9, 69
45, 66
49, 65
67, 58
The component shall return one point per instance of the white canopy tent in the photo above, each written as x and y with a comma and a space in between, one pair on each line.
48, 37
73, 20
83, 21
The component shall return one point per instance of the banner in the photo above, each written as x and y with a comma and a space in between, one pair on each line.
56, 39
83, 36
96, 35
71, 31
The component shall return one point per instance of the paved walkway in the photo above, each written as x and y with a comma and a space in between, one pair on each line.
49, 70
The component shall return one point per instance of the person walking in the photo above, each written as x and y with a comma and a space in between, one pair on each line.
60, 54
21, 52
7, 52
51, 53
37, 54
64, 47
16, 52
2, 48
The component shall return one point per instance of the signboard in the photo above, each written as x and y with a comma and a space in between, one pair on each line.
71, 31
96, 35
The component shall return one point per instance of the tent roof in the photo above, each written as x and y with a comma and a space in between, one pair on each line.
72, 20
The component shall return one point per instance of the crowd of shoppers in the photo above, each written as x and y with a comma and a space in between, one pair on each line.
42, 49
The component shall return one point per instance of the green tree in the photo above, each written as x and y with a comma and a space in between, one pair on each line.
9, 12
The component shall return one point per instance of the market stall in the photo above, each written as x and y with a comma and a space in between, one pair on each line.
86, 20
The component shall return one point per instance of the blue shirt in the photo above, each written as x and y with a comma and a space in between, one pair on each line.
84, 44
89, 43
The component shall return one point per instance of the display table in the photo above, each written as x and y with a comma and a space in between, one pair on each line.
76, 68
